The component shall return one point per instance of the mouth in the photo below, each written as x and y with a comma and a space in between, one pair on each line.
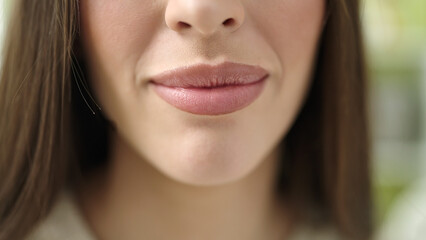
210, 89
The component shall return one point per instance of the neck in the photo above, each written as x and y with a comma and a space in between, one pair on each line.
130, 199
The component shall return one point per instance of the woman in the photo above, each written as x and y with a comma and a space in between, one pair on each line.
184, 119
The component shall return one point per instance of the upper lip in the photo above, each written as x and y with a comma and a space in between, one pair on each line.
209, 76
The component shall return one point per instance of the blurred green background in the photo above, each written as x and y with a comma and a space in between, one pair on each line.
395, 35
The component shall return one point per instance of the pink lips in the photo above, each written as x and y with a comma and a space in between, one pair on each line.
211, 90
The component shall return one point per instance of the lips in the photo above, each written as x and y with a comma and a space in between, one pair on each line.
210, 89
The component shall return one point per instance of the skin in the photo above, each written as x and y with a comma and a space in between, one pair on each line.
177, 175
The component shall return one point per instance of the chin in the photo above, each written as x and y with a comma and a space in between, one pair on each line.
207, 167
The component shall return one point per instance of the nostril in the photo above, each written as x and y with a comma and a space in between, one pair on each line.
183, 25
229, 22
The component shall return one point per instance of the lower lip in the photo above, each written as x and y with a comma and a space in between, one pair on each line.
211, 101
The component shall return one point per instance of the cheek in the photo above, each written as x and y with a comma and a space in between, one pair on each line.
293, 29
118, 28
114, 34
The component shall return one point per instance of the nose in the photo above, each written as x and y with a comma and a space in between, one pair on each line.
205, 17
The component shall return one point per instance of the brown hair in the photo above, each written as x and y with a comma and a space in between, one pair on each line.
48, 135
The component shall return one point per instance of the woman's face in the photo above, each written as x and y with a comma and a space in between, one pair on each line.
201, 136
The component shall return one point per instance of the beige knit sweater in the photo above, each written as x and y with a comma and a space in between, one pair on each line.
65, 222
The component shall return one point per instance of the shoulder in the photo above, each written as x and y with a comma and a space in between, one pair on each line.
303, 233
64, 222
